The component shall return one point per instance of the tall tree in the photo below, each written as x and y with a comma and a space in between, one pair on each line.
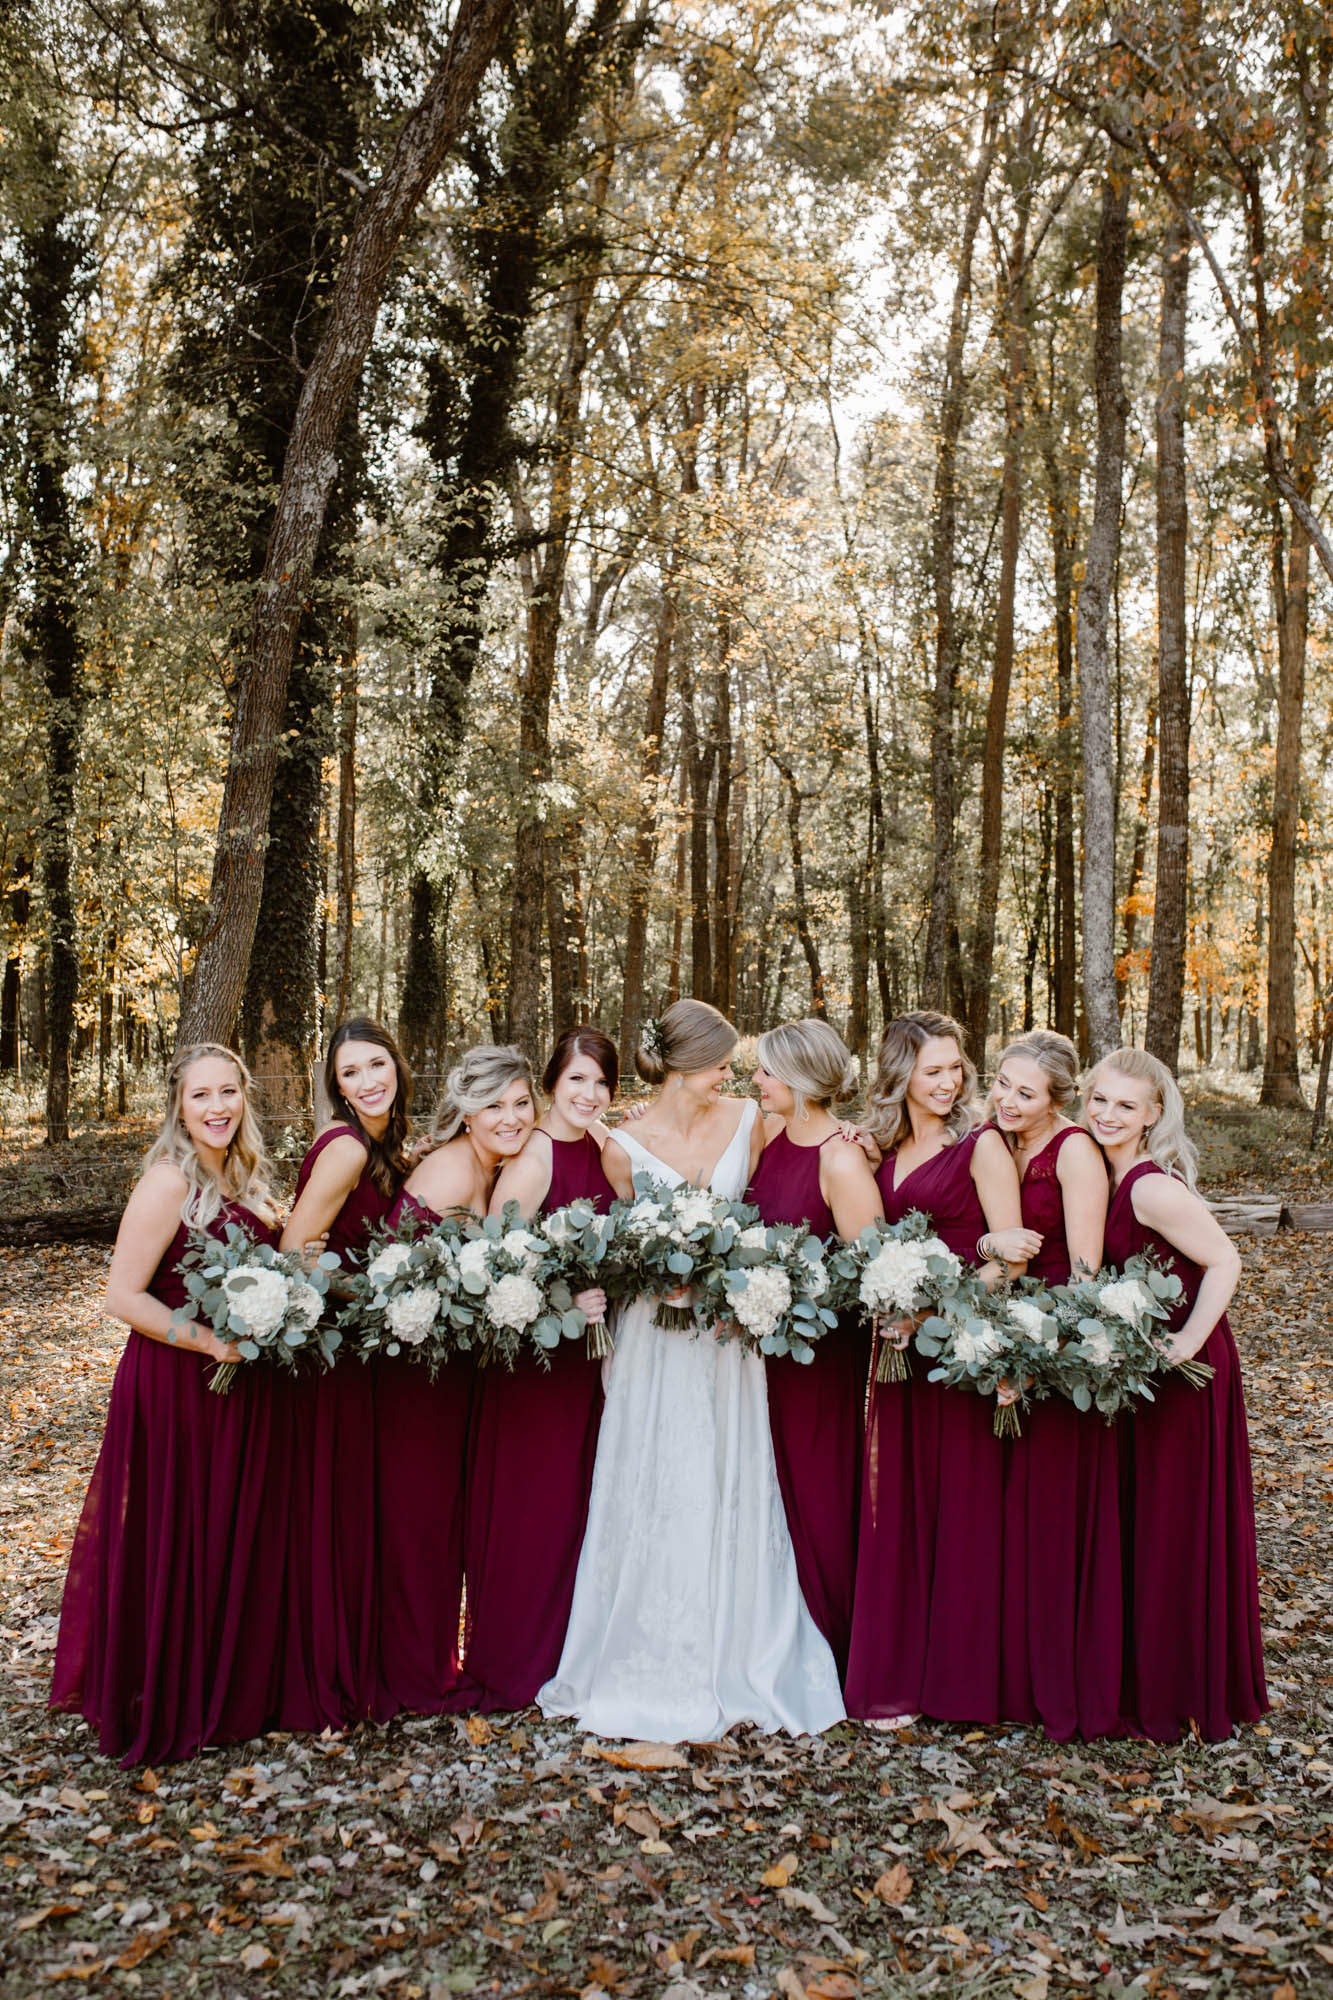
1094, 607
310, 466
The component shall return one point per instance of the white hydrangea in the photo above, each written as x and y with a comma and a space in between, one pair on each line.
1036, 1324
523, 1247
644, 1217
766, 1297
559, 1227
893, 1279
304, 1305
691, 1209
390, 1263
816, 1277
514, 1301
940, 1251
969, 1347
1126, 1298
413, 1313
1099, 1348
474, 1258
753, 1238
256, 1299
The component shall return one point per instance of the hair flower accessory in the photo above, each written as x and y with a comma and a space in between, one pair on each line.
652, 1035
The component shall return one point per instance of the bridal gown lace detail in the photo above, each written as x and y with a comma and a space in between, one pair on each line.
687, 1614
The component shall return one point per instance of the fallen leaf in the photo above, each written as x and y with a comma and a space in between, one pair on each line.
638, 1756
833, 1986
780, 1874
803, 1899
257, 1958
894, 1886
44, 1916
479, 1730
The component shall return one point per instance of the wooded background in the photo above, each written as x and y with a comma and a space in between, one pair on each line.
818, 507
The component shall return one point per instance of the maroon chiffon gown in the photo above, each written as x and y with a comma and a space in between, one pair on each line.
421, 1432
1193, 1650
815, 1412
171, 1626
1063, 1595
927, 1611
531, 1450
328, 1671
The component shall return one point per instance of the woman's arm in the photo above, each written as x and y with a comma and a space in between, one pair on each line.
1085, 1195
332, 1178
152, 1217
526, 1178
616, 1166
995, 1178
850, 1189
1163, 1203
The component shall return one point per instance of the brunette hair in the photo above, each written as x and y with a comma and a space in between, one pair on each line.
246, 1173
474, 1082
902, 1041
1055, 1056
690, 1036
388, 1160
1166, 1140
813, 1060
590, 1042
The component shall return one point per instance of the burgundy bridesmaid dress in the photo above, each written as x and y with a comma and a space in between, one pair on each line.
815, 1412
328, 1674
928, 1604
421, 1432
1063, 1596
171, 1626
1192, 1649
531, 1450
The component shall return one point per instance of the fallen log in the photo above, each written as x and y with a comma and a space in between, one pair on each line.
60, 1225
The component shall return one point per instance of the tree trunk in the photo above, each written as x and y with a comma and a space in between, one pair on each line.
1291, 588
346, 834
697, 754
1139, 853
1166, 980
997, 707
723, 965
632, 1007
1094, 605
944, 532
804, 928
309, 468
545, 591
20, 908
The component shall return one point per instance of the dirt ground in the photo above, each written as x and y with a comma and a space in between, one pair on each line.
433, 1858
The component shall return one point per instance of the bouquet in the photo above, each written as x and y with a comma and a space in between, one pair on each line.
263, 1299
897, 1270
972, 1350
402, 1298
669, 1239
1115, 1338
578, 1239
770, 1295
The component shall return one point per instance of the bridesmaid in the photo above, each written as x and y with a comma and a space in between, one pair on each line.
1062, 1581
806, 1173
483, 1118
171, 1624
534, 1431
347, 1183
1193, 1651
926, 1624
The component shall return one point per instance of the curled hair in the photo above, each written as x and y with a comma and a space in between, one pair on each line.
589, 1042
813, 1061
484, 1074
690, 1036
1056, 1058
886, 1106
246, 1173
388, 1161
1166, 1140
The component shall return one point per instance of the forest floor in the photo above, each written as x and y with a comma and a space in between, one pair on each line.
514, 1856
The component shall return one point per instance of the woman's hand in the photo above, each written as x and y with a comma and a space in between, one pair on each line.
312, 1251
633, 1112
592, 1303
1007, 1393
213, 1345
1010, 1246
896, 1332
854, 1136
1183, 1346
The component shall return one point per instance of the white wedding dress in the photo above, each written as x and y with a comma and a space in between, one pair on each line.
687, 1614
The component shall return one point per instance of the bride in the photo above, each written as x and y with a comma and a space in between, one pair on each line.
687, 1615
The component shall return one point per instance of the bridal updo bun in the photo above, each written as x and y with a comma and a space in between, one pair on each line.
690, 1036
813, 1061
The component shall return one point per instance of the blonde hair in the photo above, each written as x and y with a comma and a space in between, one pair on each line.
484, 1074
1056, 1058
246, 1172
1166, 1140
812, 1060
901, 1043
690, 1036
